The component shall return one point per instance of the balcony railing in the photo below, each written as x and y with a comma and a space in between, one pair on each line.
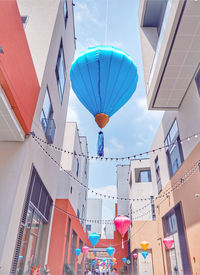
49, 129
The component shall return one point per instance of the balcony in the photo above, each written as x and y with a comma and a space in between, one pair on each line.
10, 129
170, 36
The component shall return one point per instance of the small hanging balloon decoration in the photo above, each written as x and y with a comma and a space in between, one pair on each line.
110, 250
114, 260
168, 242
94, 238
77, 251
135, 255
124, 260
103, 78
85, 250
144, 245
96, 258
122, 224
144, 254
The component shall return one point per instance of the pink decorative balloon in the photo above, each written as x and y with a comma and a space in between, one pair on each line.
85, 249
122, 224
96, 258
135, 255
168, 242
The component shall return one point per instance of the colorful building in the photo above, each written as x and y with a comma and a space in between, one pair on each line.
36, 54
169, 38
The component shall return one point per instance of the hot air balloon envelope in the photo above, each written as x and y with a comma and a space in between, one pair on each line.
103, 78
144, 254
144, 245
85, 249
77, 251
135, 255
124, 260
94, 238
110, 250
168, 242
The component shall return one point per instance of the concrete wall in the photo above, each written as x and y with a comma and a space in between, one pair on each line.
139, 190
94, 212
16, 159
122, 189
69, 188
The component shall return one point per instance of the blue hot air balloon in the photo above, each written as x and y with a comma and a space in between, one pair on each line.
144, 254
124, 260
77, 251
103, 78
110, 250
94, 238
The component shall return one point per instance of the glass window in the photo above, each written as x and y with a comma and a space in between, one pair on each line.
67, 239
65, 10
145, 176
47, 111
158, 178
24, 20
32, 242
61, 72
73, 247
197, 79
77, 167
88, 227
174, 150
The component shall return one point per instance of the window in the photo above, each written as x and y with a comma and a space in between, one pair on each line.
153, 208
88, 227
197, 79
24, 20
144, 176
173, 149
65, 10
46, 118
158, 179
33, 227
71, 190
77, 167
67, 239
61, 72
85, 170
78, 213
73, 247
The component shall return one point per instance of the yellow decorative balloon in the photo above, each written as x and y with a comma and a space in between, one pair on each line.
99, 261
114, 260
144, 245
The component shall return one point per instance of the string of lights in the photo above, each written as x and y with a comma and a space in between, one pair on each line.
164, 194
131, 157
85, 186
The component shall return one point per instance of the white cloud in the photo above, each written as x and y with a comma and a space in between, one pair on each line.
145, 113
109, 190
72, 115
84, 14
114, 146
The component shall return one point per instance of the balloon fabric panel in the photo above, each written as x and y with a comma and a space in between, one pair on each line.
103, 78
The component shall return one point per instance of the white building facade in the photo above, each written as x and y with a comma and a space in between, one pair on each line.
94, 216
28, 175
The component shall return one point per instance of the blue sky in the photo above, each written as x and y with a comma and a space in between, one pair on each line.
132, 128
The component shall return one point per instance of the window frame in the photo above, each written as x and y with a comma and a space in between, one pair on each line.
66, 15
158, 177
197, 81
61, 57
172, 143
50, 116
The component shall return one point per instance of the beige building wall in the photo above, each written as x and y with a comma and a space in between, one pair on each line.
17, 158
